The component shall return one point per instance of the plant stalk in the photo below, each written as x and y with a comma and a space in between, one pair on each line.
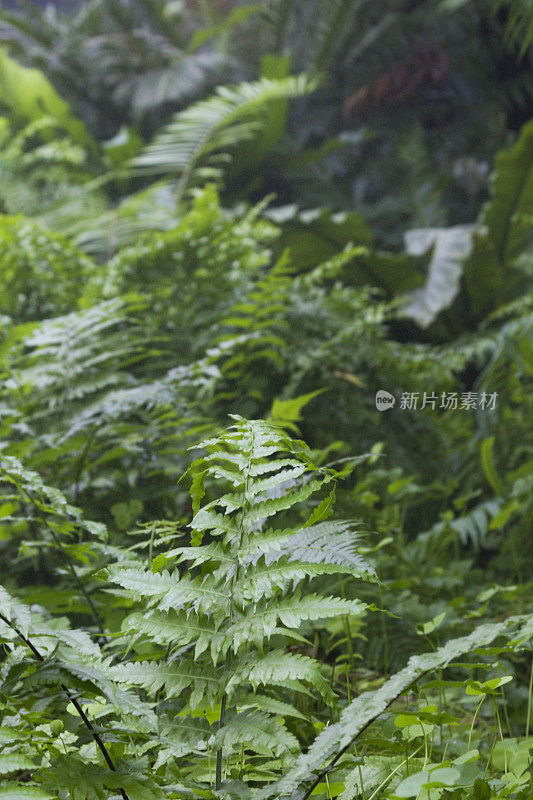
96, 736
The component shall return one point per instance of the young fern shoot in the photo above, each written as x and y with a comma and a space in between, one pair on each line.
239, 593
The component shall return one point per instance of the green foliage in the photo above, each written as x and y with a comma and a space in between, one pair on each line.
119, 63
42, 167
28, 95
322, 227
242, 609
336, 739
41, 273
198, 139
245, 599
203, 678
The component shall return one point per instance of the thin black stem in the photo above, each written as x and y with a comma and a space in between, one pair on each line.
96, 736
70, 565
218, 772
81, 463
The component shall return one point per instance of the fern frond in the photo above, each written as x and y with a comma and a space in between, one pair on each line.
164, 629
235, 596
264, 579
332, 543
180, 737
172, 591
269, 704
268, 508
278, 667
334, 740
471, 529
256, 731
176, 678
200, 135
260, 622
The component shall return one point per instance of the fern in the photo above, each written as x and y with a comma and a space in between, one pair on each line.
83, 381
207, 686
234, 605
256, 324
41, 272
336, 739
197, 141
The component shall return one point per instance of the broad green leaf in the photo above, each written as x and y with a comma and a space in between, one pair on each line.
29, 94
21, 791
12, 762
449, 247
489, 466
411, 786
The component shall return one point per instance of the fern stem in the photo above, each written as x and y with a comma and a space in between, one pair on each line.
218, 771
498, 720
86, 721
506, 714
385, 638
348, 632
70, 565
474, 721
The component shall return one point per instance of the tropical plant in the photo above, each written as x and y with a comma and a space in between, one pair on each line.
120, 63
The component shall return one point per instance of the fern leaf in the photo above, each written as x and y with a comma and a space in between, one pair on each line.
268, 508
138, 580
264, 579
199, 135
278, 667
329, 543
200, 555
166, 628
367, 707
258, 732
172, 592
260, 622
180, 737
176, 678
269, 704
